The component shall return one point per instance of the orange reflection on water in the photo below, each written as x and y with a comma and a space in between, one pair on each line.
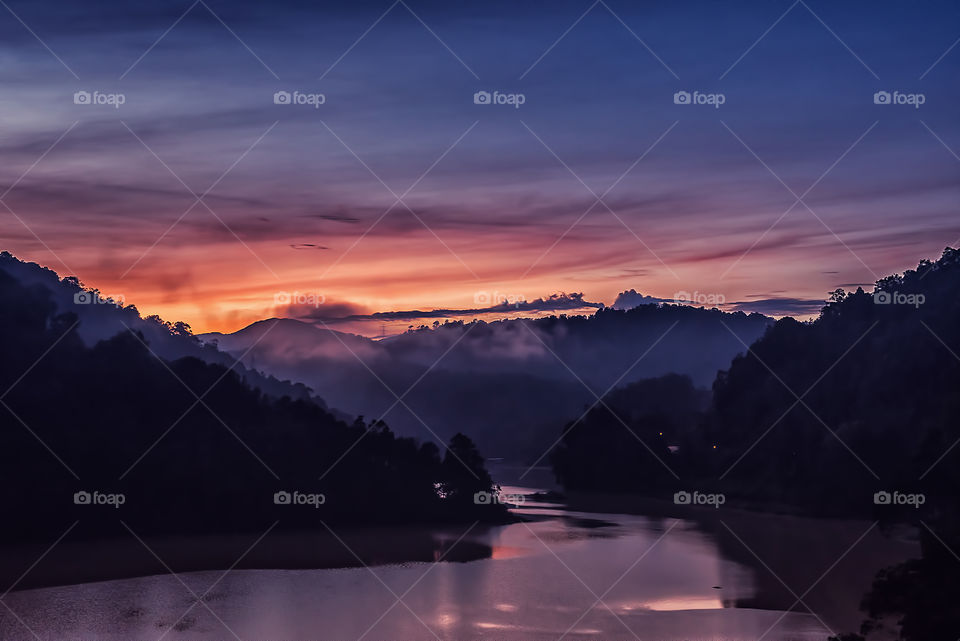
486, 625
670, 604
507, 552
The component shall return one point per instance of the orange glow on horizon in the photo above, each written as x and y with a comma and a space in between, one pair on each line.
225, 286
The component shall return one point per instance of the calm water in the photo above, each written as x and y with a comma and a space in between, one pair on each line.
571, 575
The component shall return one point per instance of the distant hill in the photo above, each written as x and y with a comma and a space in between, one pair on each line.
101, 318
507, 383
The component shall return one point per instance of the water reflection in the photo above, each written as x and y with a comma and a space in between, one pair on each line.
582, 575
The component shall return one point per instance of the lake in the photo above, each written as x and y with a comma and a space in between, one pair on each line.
563, 574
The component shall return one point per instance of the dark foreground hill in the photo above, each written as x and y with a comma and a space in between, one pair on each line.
110, 432
821, 414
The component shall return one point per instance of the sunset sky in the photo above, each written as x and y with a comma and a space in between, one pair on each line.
496, 199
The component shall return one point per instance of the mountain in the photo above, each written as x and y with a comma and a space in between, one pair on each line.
877, 375
100, 432
820, 414
99, 317
507, 383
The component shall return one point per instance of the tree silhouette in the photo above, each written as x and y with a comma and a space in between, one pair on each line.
464, 473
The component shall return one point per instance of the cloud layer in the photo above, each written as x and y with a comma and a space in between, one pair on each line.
493, 198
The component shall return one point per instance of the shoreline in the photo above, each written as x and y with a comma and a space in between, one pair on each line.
124, 556
91, 561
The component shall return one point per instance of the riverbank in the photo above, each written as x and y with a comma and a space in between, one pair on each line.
125, 556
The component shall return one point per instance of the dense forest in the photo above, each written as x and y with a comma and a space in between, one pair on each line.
820, 414
817, 416
632, 439
191, 446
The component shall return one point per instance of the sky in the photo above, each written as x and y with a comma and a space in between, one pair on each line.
190, 192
